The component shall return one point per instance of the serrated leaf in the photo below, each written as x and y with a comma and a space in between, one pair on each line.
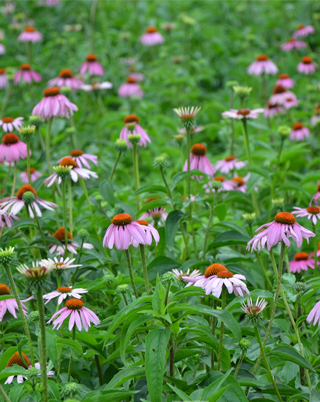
171, 225
289, 353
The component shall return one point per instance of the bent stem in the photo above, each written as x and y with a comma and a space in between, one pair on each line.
223, 305
4, 395
43, 355
136, 171
87, 197
23, 318
131, 273
115, 166
258, 337
14, 179
70, 361
144, 266
315, 245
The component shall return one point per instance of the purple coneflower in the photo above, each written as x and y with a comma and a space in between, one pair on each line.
92, 65
151, 37
4, 82
12, 149
228, 164
54, 104
179, 274
253, 310
9, 123
272, 110
130, 89
34, 175
262, 65
66, 78
282, 228
6, 219
290, 102
241, 183
198, 160
307, 66
303, 30
96, 86
314, 314
59, 264
301, 262
316, 115
293, 44
82, 158
157, 214
10, 304
150, 232
60, 249
63, 292
312, 213
30, 35
26, 74
242, 113
299, 132
285, 81
280, 95
226, 185
132, 126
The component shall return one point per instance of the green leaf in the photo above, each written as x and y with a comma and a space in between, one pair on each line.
114, 395
229, 238
106, 190
172, 224
215, 386
289, 353
221, 211
150, 189
161, 265
51, 345
73, 344
15, 370
6, 356
125, 375
184, 397
156, 346
178, 177
218, 394
151, 205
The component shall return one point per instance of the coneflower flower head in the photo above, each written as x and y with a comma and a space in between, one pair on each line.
63, 171
187, 115
38, 277
284, 130
252, 310
244, 344
249, 218
121, 145
35, 121
242, 92
8, 256
27, 132
83, 234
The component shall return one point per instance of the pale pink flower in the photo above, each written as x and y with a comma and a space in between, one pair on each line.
130, 89
6, 219
132, 126
16, 203
96, 86
60, 248
53, 105
26, 74
9, 123
4, 82
12, 149
313, 213
92, 65
79, 315
290, 102
150, 232
137, 76
122, 232
242, 113
254, 310
299, 132
157, 214
2, 49
226, 185
272, 110
82, 158
241, 183
229, 164
151, 37
316, 115
66, 78
303, 30
30, 35
63, 292
307, 66
285, 81
179, 274
301, 262
34, 175
282, 228
193, 130
199, 161
59, 264
262, 65
280, 95
293, 44
314, 314
10, 304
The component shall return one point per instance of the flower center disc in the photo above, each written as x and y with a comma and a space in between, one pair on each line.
32, 170
131, 80
25, 67
68, 162
29, 29
279, 89
76, 152
283, 76
66, 73
224, 274
219, 178
54, 91
285, 218
25, 188
121, 219
297, 126
10, 139
262, 57
306, 60
131, 118
74, 304
151, 30
254, 310
2, 71
16, 359
4, 289
37, 272
143, 223
313, 210
7, 119
198, 150
301, 26
214, 269
91, 57
64, 289
60, 235
301, 256
243, 112
239, 181
230, 158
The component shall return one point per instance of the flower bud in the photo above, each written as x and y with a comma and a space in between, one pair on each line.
134, 138
301, 287
35, 121
278, 202
242, 92
179, 138
33, 316
63, 171
122, 288
284, 130
170, 278
83, 234
121, 145
27, 132
231, 84
216, 185
8, 256
66, 90
161, 161
244, 344
249, 218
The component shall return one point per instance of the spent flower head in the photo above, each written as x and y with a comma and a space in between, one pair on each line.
121, 145
187, 115
252, 310
27, 132
38, 277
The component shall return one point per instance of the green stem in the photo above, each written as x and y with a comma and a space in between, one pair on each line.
246, 140
264, 89
65, 217
185, 239
99, 369
14, 179
72, 136
136, 171
3, 190
239, 363
29, 52
208, 228
115, 166
48, 134
144, 266
315, 246
70, 361
70, 206
39, 228
165, 182
28, 162
213, 330
43, 364
74, 277
5, 100
182, 165
43, 147
4, 395
126, 252
275, 175
60, 358
223, 306
256, 331
87, 197
23, 318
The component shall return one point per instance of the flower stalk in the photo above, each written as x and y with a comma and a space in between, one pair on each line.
223, 306
126, 252
136, 171
144, 266
43, 353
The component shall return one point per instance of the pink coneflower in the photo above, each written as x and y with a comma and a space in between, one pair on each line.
228, 164
282, 228
290, 102
317, 195
63, 292
193, 130
226, 185
157, 214
280, 95
316, 115
6, 219
34, 175
92, 65
122, 232
262, 65
307, 66
254, 310
179, 274
4, 82
12, 149
151, 37
242, 114
66, 78
303, 30
312, 213
74, 308
130, 89
30, 35
54, 104
150, 232
241, 183
82, 158
10, 304
299, 132
217, 275
2, 49
75, 172
285, 81
314, 314
293, 44
318, 251
132, 126
301, 262
26, 74
135, 75
59, 264
9, 123
18, 202
71, 246
199, 161
272, 110
97, 86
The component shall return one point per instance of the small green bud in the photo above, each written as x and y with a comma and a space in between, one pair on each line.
179, 138
66, 90
83, 234
63, 171
27, 132
8, 256
70, 390
231, 84
134, 138
104, 204
284, 130
170, 277
278, 202
161, 161
33, 316
70, 130
35, 121
216, 184
33, 373
98, 197
242, 92
244, 344
28, 197
249, 218
121, 145
122, 288
301, 287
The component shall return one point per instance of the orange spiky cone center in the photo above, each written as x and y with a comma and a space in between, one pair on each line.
142, 222
283, 76
4, 289
74, 304
60, 235
66, 73
10, 139
54, 91
306, 60
198, 150
224, 274
131, 80
67, 161
121, 219
214, 269
219, 178
7, 119
239, 181
64, 289
285, 218
16, 359
243, 112
151, 30
25, 188
301, 256
91, 57
279, 89
297, 126
131, 118
262, 57
230, 158
76, 152
25, 67
2, 71
29, 29
313, 210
